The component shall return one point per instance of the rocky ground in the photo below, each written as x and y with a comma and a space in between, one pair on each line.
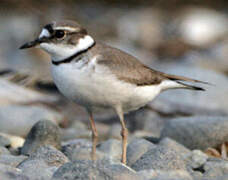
181, 135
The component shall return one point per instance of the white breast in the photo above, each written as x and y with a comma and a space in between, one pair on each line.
90, 84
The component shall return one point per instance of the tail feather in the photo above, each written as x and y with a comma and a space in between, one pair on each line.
182, 78
187, 86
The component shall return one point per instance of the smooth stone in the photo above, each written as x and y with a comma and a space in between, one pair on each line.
112, 148
12, 160
36, 169
162, 157
215, 168
136, 148
170, 143
198, 132
10, 173
50, 155
73, 147
197, 158
152, 174
12, 121
101, 170
42, 133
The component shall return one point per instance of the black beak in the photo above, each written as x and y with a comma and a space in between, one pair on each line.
32, 43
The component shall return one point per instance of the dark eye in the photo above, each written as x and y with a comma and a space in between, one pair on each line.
59, 34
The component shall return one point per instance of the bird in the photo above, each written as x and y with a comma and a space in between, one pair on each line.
96, 75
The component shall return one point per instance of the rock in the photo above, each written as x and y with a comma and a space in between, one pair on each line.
198, 159
215, 168
136, 148
42, 133
20, 125
161, 157
72, 147
165, 175
50, 155
80, 149
4, 141
11, 160
3, 151
170, 143
95, 170
112, 148
10, 173
36, 169
197, 132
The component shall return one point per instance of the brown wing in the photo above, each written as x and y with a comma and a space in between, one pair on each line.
127, 68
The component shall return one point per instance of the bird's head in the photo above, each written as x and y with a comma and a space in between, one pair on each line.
62, 39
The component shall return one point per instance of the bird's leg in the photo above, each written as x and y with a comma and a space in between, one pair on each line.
124, 134
94, 136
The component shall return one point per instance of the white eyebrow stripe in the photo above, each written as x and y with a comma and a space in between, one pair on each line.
65, 28
44, 33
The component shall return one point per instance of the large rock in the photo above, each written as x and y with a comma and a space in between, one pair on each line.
42, 133
10, 173
36, 169
112, 148
50, 155
197, 132
165, 175
11, 160
19, 119
95, 170
136, 148
215, 169
77, 149
161, 157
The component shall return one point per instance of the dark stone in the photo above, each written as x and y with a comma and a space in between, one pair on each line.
101, 170
42, 133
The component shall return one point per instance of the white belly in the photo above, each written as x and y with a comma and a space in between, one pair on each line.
92, 85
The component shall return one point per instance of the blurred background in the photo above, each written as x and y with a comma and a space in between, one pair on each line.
187, 38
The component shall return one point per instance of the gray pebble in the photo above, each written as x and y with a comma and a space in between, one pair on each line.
112, 148
197, 132
136, 148
215, 168
101, 170
12, 160
165, 175
160, 158
42, 133
49, 155
36, 169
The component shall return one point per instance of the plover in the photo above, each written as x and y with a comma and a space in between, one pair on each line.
96, 75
